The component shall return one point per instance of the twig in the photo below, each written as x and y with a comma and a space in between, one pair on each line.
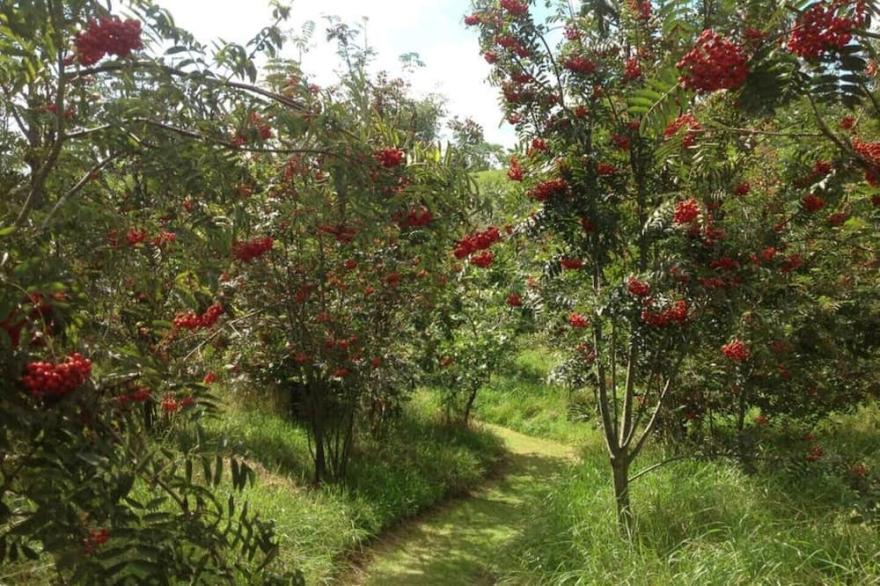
655, 466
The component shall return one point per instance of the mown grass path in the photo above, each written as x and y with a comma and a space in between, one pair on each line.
461, 542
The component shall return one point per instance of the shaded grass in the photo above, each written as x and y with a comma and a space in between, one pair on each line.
419, 463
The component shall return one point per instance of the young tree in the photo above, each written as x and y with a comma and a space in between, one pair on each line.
640, 133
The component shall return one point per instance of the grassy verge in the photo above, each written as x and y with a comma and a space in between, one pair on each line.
417, 465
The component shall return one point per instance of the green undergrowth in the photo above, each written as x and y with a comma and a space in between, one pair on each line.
417, 464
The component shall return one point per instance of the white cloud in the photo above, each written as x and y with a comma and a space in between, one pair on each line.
431, 28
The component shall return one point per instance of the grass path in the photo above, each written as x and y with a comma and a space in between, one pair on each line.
461, 542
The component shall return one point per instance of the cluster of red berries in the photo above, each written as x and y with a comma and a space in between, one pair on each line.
513, 45
815, 454
344, 234
820, 169
135, 236
341, 372
418, 217
170, 405
638, 288
263, 129
250, 250
725, 263
686, 211
108, 36
521, 77
256, 126
690, 123
476, 242
578, 321
715, 63
632, 69
139, 395
571, 264
736, 350
52, 108
642, 8
95, 539
742, 189
473, 19
210, 378
621, 141
190, 320
515, 7
483, 259
57, 380
580, 65
606, 169
587, 352
813, 203
838, 218
515, 173
792, 263
514, 300
539, 145
163, 238
870, 152
547, 189
677, 313
389, 157
819, 30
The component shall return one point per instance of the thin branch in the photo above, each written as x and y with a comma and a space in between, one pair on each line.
655, 466
649, 427
750, 131
76, 188
38, 179
193, 76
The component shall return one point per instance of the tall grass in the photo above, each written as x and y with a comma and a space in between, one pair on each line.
698, 522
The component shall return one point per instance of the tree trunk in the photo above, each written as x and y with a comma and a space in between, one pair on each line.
468, 406
620, 474
320, 455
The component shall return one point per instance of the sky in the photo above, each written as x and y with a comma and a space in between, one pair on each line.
431, 28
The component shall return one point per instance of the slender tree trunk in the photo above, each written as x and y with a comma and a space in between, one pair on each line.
320, 454
741, 426
620, 474
468, 406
